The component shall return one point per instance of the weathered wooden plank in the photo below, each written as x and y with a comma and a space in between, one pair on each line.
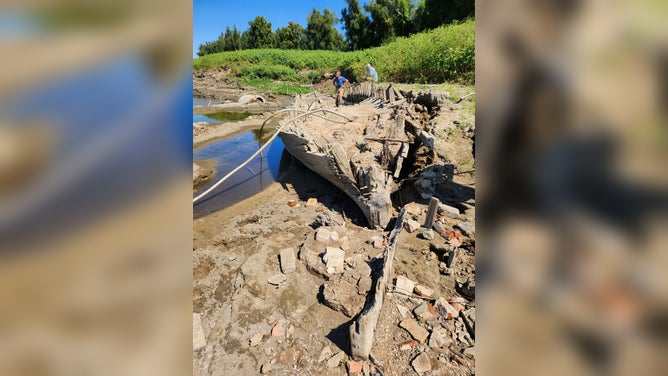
341, 159
363, 329
431, 212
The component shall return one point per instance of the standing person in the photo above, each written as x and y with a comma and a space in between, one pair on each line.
339, 82
372, 72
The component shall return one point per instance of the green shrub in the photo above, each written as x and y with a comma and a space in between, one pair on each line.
445, 54
274, 72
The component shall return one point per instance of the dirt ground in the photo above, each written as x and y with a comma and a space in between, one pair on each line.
256, 319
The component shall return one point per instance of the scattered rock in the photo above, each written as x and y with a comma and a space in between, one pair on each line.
407, 345
347, 294
414, 209
428, 234
438, 227
310, 254
292, 203
467, 227
335, 360
326, 353
425, 312
325, 218
454, 238
414, 329
421, 363
232, 258
277, 279
439, 338
199, 340
377, 242
355, 260
364, 285
403, 311
462, 334
256, 339
311, 202
345, 243
334, 258
469, 352
288, 261
411, 225
404, 285
355, 366
468, 289
469, 314
448, 211
322, 234
279, 328
445, 309
423, 291
334, 236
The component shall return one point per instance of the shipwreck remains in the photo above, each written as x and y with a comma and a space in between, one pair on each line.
366, 156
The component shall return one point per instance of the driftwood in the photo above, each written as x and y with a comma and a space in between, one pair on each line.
464, 97
364, 327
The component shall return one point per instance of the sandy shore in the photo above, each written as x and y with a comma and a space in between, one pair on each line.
204, 134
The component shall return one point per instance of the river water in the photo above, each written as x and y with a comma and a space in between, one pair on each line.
230, 152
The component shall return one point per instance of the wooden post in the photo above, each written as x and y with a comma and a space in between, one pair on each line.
431, 212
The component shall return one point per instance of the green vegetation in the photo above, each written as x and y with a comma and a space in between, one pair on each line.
228, 115
445, 54
277, 87
377, 22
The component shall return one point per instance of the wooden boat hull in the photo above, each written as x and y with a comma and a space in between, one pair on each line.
331, 165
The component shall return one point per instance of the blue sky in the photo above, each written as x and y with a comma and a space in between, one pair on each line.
210, 17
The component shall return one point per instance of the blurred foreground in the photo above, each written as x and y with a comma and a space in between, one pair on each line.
572, 189
95, 210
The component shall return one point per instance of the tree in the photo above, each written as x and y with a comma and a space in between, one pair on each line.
259, 33
290, 37
434, 13
245, 41
321, 33
390, 19
213, 47
357, 26
232, 39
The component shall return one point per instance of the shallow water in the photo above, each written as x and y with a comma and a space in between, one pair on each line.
221, 116
228, 154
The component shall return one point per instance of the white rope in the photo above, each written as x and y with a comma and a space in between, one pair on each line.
219, 182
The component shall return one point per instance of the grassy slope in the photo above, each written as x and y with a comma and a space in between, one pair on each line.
446, 54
